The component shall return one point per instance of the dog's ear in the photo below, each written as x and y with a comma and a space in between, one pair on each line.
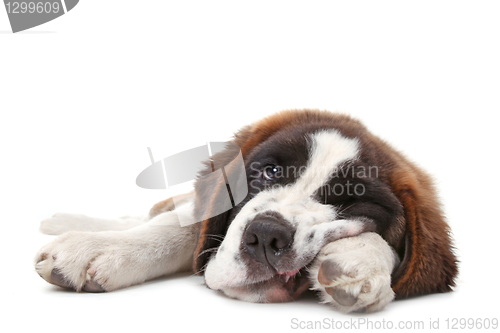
429, 264
219, 188
215, 191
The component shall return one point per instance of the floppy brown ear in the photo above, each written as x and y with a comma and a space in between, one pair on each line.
219, 188
429, 264
213, 229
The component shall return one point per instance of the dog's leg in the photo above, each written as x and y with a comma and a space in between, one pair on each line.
355, 273
109, 260
64, 222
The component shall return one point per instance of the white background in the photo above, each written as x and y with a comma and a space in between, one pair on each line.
82, 97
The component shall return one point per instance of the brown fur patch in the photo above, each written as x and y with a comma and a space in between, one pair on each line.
168, 204
420, 236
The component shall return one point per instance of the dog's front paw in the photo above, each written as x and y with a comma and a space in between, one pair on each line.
81, 261
354, 273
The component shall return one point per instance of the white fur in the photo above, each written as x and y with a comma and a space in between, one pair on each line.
366, 260
117, 259
329, 149
131, 250
63, 222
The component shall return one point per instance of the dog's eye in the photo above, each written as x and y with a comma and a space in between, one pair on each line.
270, 172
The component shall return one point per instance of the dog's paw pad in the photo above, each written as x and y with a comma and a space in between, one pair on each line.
63, 263
58, 278
330, 271
93, 287
341, 296
354, 274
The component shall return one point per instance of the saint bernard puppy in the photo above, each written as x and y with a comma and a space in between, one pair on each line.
329, 207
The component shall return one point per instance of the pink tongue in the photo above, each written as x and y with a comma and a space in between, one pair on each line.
289, 273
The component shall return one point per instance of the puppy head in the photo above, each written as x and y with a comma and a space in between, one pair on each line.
298, 201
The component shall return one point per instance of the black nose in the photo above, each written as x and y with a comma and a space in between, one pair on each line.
266, 240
